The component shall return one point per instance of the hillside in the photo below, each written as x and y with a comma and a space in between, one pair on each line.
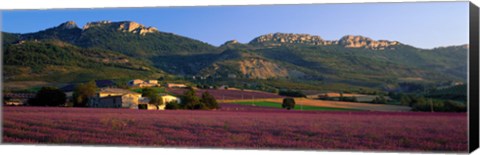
126, 37
353, 60
128, 49
57, 61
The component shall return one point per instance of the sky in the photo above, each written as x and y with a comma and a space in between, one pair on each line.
423, 25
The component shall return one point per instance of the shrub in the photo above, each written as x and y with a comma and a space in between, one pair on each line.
454, 106
48, 96
83, 92
173, 105
288, 103
189, 99
143, 106
152, 94
291, 93
379, 100
406, 100
209, 101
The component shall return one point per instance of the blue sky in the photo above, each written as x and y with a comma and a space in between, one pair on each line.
424, 25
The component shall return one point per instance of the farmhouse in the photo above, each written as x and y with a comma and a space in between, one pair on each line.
169, 98
17, 99
142, 84
175, 85
116, 98
14, 102
165, 98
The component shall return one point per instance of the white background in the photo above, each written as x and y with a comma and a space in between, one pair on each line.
84, 150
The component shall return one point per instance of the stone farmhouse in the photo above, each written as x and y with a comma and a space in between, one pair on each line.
143, 84
116, 98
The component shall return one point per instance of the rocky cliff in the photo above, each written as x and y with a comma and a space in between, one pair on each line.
124, 26
349, 41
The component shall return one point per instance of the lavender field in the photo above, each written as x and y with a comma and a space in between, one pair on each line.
229, 128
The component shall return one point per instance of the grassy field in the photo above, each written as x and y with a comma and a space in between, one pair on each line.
297, 107
332, 104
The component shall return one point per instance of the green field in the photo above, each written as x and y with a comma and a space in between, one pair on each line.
297, 107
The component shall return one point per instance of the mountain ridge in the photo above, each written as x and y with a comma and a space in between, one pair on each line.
348, 40
352, 60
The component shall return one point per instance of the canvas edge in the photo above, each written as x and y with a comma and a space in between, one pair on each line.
473, 78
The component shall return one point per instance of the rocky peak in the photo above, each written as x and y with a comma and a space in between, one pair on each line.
230, 42
277, 39
348, 41
68, 25
124, 26
96, 24
351, 41
134, 27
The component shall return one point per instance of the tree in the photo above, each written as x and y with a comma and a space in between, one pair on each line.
190, 100
83, 92
172, 105
454, 106
292, 93
288, 103
48, 96
420, 104
209, 101
379, 100
153, 95
406, 100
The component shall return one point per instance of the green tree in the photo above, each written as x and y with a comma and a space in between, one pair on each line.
420, 104
288, 103
209, 101
190, 100
405, 100
83, 92
48, 96
173, 105
454, 106
153, 95
380, 100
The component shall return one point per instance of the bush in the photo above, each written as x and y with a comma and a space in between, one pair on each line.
193, 102
454, 106
173, 105
406, 100
143, 106
189, 99
152, 94
291, 93
83, 92
288, 103
379, 100
209, 101
48, 96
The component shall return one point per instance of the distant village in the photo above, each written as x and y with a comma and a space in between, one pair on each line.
108, 95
